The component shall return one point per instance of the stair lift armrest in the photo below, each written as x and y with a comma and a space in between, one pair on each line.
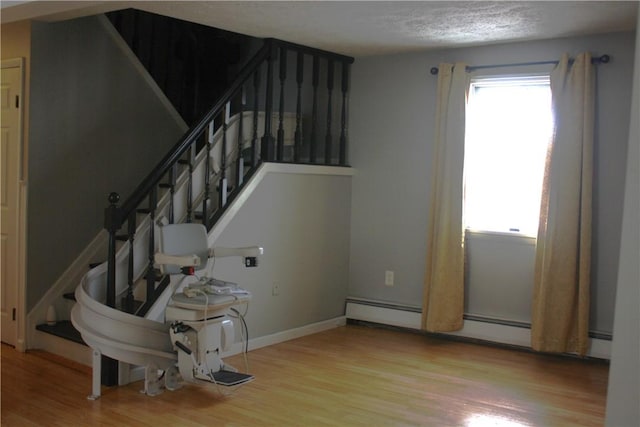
182, 260
249, 254
249, 251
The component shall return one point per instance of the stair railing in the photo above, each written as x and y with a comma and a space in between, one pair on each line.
198, 142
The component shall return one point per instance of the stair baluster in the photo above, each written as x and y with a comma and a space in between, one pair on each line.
173, 176
297, 147
151, 274
256, 100
112, 224
207, 176
343, 118
128, 304
190, 184
267, 140
283, 76
113, 221
166, 81
222, 182
240, 158
151, 62
314, 113
135, 38
327, 141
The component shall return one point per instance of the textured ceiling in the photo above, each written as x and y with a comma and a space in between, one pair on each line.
361, 28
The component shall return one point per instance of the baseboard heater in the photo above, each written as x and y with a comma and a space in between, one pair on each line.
476, 327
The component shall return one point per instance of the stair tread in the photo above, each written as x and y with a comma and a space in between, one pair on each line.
62, 329
144, 308
132, 307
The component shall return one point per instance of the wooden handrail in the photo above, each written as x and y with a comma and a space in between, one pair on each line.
188, 138
116, 215
142, 191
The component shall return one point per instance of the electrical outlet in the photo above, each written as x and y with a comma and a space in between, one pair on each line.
275, 289
388, 278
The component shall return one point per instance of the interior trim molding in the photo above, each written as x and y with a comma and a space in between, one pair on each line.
287, 335
475, 327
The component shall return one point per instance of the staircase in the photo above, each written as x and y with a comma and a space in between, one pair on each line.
281, 107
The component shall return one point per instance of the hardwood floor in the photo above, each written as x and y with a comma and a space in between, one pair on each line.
349, 376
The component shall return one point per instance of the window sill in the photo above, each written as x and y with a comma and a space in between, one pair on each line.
514, 236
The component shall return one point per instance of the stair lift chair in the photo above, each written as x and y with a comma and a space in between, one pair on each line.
198, 312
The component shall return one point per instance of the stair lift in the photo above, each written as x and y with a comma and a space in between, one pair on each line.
198, 312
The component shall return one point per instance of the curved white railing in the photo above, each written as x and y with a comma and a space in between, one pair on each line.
119, 335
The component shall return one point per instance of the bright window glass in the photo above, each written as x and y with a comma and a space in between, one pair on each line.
509, 128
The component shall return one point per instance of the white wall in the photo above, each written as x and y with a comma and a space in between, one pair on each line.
96, 126
392, 114
302, 222
623, 395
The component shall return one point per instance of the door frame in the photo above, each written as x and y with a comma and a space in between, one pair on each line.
21, 211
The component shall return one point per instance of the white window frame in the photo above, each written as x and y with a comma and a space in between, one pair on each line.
493, 80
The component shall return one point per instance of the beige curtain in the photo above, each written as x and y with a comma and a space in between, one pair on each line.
560, 310
443, 302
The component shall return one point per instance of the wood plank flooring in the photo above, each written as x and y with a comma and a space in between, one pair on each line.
349, 376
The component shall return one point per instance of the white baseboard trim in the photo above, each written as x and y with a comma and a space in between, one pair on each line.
388, 315
407, 317
136, 373
287, 335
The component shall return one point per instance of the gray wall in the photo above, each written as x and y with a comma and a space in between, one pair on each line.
302, 222
96, 127
624, 376
512, 281
391, 131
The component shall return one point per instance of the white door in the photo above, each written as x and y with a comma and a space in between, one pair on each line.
11, 99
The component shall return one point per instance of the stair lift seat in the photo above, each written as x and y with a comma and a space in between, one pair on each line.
200, 327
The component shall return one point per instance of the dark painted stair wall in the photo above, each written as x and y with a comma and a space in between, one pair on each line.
193, 64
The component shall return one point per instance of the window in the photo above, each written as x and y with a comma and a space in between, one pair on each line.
509, 127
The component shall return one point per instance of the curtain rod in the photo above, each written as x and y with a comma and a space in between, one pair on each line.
597, 60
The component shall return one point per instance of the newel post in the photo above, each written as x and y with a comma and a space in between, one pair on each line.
343, 117
113, 220
112, 223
